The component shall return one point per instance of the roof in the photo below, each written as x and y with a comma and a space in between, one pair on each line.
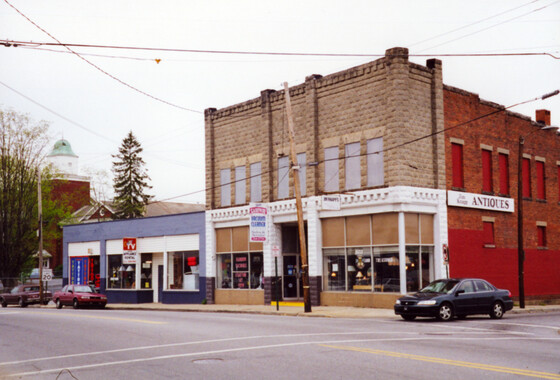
62, 148
169, 208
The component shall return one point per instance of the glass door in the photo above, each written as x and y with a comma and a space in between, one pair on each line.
291, 276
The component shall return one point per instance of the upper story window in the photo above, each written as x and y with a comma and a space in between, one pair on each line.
375, 172
256, 182
488, 234
352, 166
302, 162
487, 179
541, 236
240, 176
457, 162
283, 177
526, 177
225, 187
503, 161
331, 169
541, 188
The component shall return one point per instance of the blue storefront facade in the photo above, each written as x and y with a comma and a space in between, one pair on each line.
156, 259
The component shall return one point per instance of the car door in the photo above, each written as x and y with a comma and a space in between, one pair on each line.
465, 299
484, 296
65, 296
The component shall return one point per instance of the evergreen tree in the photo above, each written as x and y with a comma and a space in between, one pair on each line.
130, 180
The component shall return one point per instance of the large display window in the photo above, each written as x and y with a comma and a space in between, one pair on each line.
182, 270
120, 276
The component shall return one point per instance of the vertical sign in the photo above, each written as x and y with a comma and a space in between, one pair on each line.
129, 251
257, 230
78, 270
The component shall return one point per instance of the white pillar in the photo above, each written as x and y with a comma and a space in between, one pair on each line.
402, 253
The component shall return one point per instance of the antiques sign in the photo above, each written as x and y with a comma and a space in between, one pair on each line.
480, 201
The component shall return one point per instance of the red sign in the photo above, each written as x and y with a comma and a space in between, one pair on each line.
129, 244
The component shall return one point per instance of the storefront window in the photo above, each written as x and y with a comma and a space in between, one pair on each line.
146, 271
182, 270
335, 262
386, 269
121, 276
418, 267
359, 269
246, 272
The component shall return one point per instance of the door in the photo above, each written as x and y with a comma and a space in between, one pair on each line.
159, 283
291, 276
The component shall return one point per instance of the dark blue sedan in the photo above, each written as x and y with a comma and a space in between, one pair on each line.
446, 298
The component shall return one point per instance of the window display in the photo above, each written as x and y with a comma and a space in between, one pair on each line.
182, 270
245, 273
121, 276
146, 271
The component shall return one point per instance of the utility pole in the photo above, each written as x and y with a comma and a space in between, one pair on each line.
40, 214
295, 168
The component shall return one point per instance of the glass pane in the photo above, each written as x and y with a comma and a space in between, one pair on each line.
359, 269
427, 266
375, 172
115, 274
412, 269
224, 272
146, 271
352, 166
331, 169
256, 193
283, 177
257, 271
334, 270
241, 271
240, 193
225, 182
386, 269
175, 270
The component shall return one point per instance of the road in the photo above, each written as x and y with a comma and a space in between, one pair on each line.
42, 343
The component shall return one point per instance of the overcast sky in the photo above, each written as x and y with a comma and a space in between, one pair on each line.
164, 108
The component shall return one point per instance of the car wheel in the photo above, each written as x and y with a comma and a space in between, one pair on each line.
408, 317
497, 311
4, 303
445, 312
75, 304
21, 302
58, 303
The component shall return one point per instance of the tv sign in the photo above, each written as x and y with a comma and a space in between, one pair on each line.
129, 250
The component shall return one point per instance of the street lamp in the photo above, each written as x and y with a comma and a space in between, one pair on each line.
520, 251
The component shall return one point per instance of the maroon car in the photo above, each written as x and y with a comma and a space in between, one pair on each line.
24, 295
79, 295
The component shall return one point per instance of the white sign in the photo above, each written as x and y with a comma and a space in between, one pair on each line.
129, 251
47, 274
331, 202
129, 258
257, 227
480, 201
275, 251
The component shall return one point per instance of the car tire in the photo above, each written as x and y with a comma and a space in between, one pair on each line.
75, 304
4, 303
497, 311
58, 303
408, 317
21, 302
445, 312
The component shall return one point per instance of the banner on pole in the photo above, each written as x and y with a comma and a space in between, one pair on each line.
257, 227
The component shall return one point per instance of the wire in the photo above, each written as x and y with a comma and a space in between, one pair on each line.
13, 43
501, 109
99, 68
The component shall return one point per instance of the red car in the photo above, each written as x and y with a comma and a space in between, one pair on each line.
79, 295
24, 295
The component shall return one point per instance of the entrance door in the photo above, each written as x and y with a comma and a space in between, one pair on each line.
160, 282
291, 277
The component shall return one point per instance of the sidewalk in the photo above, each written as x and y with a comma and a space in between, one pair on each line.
290, 310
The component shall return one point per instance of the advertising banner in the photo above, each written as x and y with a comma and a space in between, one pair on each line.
257, 230
129, 251
480, 201
79, 270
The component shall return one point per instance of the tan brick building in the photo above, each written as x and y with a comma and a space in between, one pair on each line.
369, 138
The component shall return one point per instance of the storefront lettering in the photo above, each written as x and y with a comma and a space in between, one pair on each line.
479, 201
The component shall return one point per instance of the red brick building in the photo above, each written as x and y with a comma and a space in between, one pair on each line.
482, 158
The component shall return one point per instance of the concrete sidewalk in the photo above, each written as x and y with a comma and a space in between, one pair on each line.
290, 310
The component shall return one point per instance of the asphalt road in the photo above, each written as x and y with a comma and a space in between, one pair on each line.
40, 343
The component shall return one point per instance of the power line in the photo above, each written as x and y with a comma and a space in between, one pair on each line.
14, 43
501, 109
99, 68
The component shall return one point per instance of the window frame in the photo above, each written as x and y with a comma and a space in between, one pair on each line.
458, 176
541, 180
332, 171
503, 162
352, 167
375, 163
487, 174
225, 187
240, 185
256, 182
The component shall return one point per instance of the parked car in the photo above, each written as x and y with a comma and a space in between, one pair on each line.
24, 295
446, 298
79, 295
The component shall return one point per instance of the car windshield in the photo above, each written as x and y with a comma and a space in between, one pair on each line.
83, 289
443, 286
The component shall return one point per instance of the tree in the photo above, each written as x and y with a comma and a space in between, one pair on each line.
22, 142
130, 180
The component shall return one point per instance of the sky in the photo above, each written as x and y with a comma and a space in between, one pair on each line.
94, 98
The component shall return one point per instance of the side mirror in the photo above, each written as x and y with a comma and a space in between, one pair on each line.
459, 292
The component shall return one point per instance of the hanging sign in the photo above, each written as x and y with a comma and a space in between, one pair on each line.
257, 227
129, 251
479, 201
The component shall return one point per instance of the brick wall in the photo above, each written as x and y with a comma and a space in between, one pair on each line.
390, 98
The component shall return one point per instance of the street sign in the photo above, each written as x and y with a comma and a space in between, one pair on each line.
47, 274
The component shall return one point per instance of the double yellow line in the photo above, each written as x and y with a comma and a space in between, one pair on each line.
457, 363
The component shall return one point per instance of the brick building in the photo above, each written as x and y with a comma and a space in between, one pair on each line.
375, 170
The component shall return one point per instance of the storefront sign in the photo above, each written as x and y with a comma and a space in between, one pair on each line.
480, 201
129, 251
257, 229
78, 270
331, 202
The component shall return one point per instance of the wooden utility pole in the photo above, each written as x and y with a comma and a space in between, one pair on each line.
295, 168
40, 229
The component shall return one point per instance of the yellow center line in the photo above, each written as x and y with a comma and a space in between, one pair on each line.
104, 318
486, 367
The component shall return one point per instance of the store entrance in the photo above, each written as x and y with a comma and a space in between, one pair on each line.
291, 277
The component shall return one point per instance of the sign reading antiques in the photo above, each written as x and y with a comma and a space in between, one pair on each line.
480, 201
129, 251
257, 229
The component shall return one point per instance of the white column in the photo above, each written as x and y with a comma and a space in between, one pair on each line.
402, 253
314, 234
